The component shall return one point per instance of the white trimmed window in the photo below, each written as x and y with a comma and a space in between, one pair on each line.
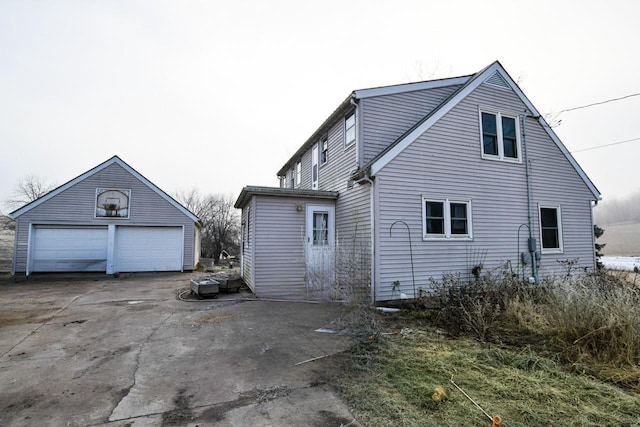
500, 136
349, 129
551, 229
446, 219
298, 174
324, 153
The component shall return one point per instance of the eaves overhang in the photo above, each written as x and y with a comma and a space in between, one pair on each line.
249, 191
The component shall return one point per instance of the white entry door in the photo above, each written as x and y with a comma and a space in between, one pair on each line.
320, 249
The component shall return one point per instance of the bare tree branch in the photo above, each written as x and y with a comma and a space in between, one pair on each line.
220, 221
29, 188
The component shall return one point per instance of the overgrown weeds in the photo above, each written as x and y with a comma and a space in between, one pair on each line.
590, 318
562, 352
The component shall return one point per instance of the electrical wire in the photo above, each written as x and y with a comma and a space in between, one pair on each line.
605, 145
597, 103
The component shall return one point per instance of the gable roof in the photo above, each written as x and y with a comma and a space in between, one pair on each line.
346, 106
114, 160
494, 74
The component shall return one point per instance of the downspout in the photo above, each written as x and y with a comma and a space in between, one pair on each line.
531, 243
368, 179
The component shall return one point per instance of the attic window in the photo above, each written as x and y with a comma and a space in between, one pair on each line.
350, 130
500, 136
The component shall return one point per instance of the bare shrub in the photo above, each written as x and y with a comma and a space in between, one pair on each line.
340, 272
596, 317
474, 306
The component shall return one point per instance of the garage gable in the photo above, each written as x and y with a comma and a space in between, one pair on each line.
111, 219
102, 176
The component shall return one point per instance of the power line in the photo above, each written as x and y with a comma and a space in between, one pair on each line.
597, 103
606, 145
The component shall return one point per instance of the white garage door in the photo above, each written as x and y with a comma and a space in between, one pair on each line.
64, 249
148, 249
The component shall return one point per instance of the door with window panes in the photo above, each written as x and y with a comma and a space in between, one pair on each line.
320, 249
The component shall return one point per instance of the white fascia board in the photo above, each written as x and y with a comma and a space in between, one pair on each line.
157, 190
95, 170
478, 80
60, 189
409, 87
440, 112
551, 133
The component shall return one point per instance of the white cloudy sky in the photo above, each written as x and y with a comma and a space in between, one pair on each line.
217, 95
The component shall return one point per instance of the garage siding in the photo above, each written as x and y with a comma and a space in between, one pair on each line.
74, 206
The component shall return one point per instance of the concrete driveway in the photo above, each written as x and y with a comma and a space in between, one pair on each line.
126, 352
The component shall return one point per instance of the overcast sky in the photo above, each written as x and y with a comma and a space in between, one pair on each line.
218, 95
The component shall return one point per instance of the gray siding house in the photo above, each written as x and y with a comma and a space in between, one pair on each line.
110, 219
403, 184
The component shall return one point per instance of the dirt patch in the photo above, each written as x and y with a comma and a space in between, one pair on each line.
182, 413
19, 317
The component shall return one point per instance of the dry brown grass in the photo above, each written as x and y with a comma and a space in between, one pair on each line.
6, 250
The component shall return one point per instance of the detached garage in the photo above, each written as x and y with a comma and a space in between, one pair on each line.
110, 219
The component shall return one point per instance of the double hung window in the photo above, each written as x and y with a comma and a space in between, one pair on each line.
298, 174
446, 219
349, 130
324, 154
500, 136
550, 229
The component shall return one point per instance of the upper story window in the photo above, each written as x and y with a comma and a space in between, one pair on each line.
298, 174
500, 136
349, 129
292, 177
446, 219
551, 229
324, 153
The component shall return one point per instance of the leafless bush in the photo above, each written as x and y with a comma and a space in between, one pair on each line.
476, 306
596, 317
340, 272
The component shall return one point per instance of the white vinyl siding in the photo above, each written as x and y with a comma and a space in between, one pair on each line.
385, 118
445, 161
278, 262
75, 206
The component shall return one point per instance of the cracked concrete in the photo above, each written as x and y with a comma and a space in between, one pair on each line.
126, 352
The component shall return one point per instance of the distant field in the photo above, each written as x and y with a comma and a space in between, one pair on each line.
621, 239
6, 250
